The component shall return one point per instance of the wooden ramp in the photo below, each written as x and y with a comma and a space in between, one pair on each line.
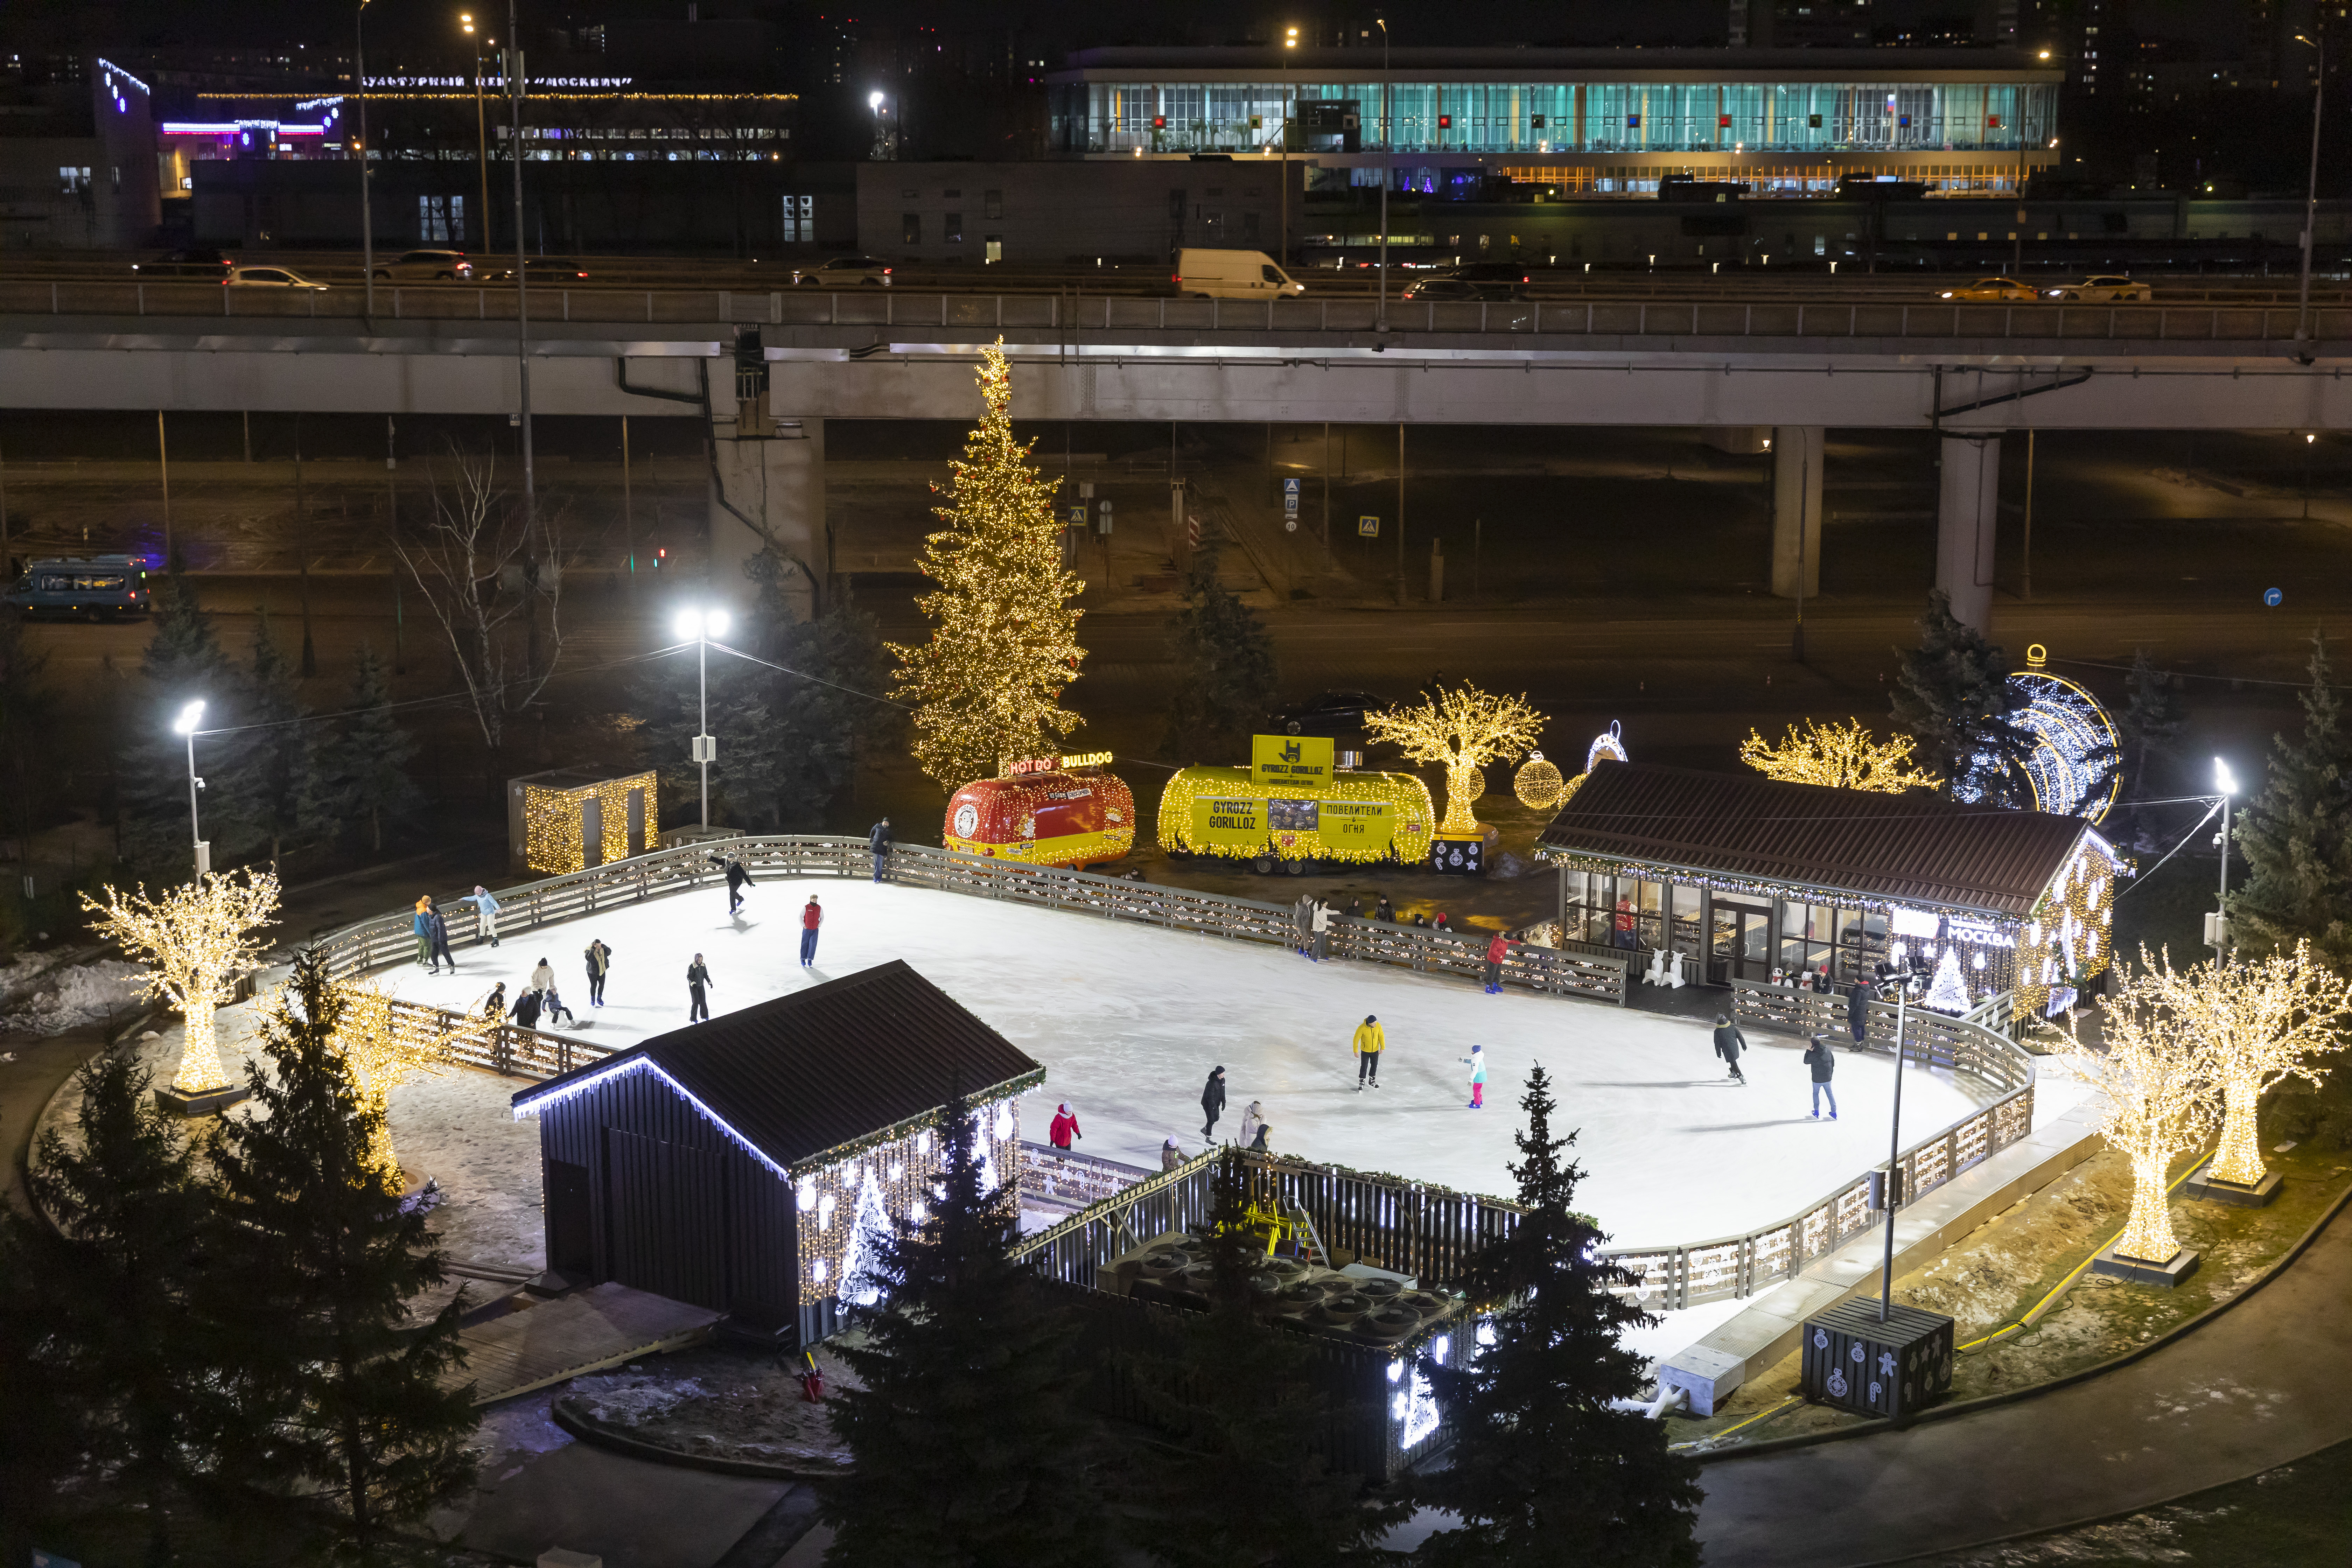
550, 1340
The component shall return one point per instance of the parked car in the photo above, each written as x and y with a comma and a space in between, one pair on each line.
843, 270
2103, 290
1491, 272
189, 261
1328, 713
100, 587
1985, 288
268, 277
542, 269
428, 266
1231, 275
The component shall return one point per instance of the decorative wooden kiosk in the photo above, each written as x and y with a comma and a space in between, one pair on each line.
568, 819
750, 1163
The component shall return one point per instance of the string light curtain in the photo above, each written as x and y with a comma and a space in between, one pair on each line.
1004, 642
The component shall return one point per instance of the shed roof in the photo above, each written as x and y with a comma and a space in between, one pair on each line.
800, 1074
577, 778
1916, 849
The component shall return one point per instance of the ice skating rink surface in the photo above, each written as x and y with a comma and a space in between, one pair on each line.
1129, 1018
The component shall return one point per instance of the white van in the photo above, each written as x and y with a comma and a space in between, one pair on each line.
1231, 275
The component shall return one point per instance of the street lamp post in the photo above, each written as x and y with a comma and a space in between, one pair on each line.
702, 625
2227, 782
2303, 351
185, 724
514, 69
1289, 42
481, 136
367, 200
1388, 172
1903, 985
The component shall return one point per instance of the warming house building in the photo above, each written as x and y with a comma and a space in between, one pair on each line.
1746, 875
750, 1163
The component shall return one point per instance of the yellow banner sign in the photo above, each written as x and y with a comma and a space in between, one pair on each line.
1219, 822
1356, 825
1292, 760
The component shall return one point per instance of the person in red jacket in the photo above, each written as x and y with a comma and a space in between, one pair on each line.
1065, 1128
1497, 951
811, 917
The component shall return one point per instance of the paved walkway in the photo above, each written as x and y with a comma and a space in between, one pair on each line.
2261, 1386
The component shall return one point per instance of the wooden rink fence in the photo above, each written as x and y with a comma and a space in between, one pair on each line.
1414, 1228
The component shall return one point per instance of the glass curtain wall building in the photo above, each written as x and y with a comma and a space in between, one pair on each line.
1581, 120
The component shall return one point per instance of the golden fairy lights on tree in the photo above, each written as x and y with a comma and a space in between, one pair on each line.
195, 942
2156, 1069
987, 687
1844, 755
2261, 1019
1462, 728
381, 1053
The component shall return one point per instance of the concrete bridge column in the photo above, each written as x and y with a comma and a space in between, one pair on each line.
768, 489
1967, 520
1796, 503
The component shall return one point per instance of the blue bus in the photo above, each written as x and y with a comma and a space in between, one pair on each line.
94, 587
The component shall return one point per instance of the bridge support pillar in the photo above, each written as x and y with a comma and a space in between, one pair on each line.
1966, 521
1797, 505
767, 488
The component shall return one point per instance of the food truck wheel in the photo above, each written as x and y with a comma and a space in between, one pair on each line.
1263, 865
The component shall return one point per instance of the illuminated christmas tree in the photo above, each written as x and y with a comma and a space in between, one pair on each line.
987, 687
197, 940
1948, 992
1463, 728
2262, 1019
2154, 1068
1844, 755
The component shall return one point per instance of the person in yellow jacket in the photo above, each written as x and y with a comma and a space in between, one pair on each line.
1368, 1043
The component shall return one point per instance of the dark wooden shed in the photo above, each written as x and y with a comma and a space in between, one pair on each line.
747, 1163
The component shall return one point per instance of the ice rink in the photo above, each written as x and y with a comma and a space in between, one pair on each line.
1129, 1019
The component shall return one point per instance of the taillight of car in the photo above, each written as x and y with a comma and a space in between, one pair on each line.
1176, 277
886, 272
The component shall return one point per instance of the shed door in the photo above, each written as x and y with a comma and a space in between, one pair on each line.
638, 845
591, 831
666, 1206
569, 1234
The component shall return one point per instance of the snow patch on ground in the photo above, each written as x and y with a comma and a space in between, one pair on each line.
625, 1398
70, 998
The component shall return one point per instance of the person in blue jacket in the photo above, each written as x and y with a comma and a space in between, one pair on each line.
486, 914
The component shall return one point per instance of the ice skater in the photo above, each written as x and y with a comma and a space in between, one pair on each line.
697, 982
1370, 1040
737, 879
600, 963
437, 929
811, 917
1857, 1012
552, 1005
1477, 1060
1252, 1120
1319, 925
494, 1006
1212, 1101
422, 925
1728, 1043
1257, 1144
877, 842
526, 1010
1818, 1057
543, 976
1170, 1156
1065, 1126
486, 915
1497, 951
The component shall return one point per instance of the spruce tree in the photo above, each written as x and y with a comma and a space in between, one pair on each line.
1246, 1484
29, 710
826, 714
344, 1390
968, 1453
2148, 727
279, 746
45, 1437
119, 1279
2296, 836
1952, 691
359, 778
988, 685
1542, 1470
183, 662
1225, 670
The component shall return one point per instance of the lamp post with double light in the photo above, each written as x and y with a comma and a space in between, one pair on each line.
185, 724
701, 625
1903, 984
2304, 350
1289, 42
367, 199
481, 131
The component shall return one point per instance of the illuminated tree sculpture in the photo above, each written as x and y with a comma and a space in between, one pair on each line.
381, 1051
987, 687
2155, 1066
1845, 756
2261, 1018
1461, 728
195, 942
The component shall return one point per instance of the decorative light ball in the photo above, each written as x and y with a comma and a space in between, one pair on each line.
1537, 783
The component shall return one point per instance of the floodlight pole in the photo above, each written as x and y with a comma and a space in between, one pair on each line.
702, 747
1894, 1148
